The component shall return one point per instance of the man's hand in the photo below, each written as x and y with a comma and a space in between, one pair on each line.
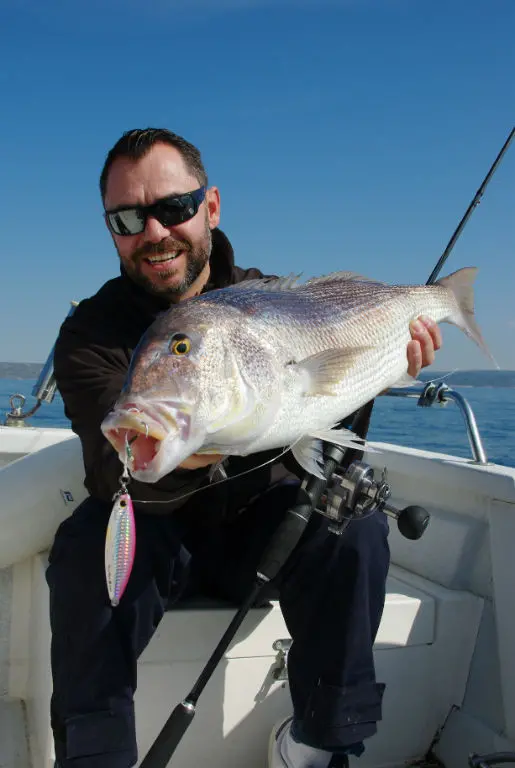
198, 460
426, 339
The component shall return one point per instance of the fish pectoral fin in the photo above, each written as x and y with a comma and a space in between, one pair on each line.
309, 450
326, 369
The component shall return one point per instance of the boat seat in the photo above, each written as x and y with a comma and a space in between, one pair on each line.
422, 651
408, 619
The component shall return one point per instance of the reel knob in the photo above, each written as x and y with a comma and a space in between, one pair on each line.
413, 521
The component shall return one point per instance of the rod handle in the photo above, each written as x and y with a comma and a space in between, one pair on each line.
159, 754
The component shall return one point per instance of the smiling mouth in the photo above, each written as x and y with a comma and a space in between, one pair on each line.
163, 258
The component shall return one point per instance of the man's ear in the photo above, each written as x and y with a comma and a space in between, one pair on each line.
213, 206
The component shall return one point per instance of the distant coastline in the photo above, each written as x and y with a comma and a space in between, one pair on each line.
20, 370
471, 378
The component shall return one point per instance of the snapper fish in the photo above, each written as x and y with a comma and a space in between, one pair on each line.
273, 363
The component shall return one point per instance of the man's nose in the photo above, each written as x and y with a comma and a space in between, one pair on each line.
154, 231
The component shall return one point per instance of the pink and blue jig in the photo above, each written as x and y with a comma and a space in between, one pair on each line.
120, 543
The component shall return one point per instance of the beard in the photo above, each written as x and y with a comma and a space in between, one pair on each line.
196, 255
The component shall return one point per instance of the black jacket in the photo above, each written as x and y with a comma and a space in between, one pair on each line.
91, 359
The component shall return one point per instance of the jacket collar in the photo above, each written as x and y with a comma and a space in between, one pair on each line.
221, 261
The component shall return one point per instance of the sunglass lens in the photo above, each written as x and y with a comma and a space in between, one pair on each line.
128, 222
175, 210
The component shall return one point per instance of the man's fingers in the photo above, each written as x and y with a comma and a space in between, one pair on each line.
427, 333
434, 331
414, 358
198, 460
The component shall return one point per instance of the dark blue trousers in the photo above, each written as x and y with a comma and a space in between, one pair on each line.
331, 593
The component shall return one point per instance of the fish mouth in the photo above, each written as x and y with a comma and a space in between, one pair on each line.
139, 433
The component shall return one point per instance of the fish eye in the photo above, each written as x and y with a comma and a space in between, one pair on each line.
180, 344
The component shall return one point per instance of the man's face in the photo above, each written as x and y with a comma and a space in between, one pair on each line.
166, 261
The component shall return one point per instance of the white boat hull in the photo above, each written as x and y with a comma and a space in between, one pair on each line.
38, 490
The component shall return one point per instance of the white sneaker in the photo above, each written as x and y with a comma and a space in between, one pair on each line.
285, 752
275, 758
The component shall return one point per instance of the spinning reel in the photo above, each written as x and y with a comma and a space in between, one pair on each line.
356, 494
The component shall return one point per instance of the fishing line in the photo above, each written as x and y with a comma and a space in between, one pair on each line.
445, 376
224, 480
217, 482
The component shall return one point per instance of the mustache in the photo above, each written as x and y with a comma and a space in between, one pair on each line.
157, 249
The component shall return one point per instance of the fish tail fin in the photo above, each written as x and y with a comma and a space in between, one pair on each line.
461, 285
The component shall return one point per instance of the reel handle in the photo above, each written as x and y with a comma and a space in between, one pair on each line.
412, 521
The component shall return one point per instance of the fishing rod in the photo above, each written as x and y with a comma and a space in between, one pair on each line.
475, 202
411, 521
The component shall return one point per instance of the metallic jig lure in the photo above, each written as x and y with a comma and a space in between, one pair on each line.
120, 544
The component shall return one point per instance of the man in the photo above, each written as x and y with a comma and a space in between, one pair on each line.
163, 218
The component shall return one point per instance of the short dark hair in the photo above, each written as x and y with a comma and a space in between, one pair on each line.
137, 142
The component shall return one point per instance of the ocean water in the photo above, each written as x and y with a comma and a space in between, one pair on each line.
395, 420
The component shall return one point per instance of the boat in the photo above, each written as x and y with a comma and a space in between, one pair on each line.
444, 647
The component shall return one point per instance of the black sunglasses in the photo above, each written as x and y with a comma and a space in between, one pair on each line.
169, 211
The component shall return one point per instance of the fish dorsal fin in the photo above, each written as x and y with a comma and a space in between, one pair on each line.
342, 276
290, 282
271, 284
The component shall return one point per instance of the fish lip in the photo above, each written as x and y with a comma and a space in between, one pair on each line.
156, 418
135, 435
132, 421
154, 424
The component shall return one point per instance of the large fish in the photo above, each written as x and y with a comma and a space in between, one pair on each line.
272, 363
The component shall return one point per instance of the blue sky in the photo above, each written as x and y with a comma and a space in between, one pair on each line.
343, 134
